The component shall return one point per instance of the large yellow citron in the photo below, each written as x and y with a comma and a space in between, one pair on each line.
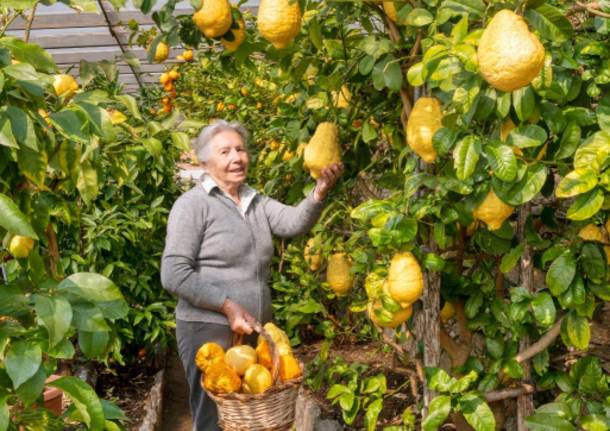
219, 378
64, 85
161, 52
493, 211
208, 354
509, 55
338, 274
21, 246
276, 334
313, 258
397, 318
257, 379
279, 21
240, 358
424, 121
214, 18
239, 35
289, 368
263, 354
405, 279
322, 150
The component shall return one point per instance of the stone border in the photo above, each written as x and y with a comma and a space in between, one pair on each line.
154, 404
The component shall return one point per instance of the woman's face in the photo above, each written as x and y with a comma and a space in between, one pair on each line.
228, 161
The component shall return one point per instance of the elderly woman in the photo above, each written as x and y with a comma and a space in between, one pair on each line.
218, 248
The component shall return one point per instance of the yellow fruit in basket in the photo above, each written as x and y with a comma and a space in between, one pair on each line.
322, 150
208, 354
424, 121
396, 318
493, 211
338, 274
21, 246
219, 378
592, 233
239, 35
214, 18
279, 21
509, 55
263, 354
289, 368
64, 85
257, 379
276, 334
161, 52
314, 259
405, 279
447, 312
240, 358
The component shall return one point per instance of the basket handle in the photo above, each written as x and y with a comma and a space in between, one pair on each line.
275, 355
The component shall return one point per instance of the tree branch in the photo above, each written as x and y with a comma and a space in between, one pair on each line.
545, 341
29, 22
592, 9
504, 394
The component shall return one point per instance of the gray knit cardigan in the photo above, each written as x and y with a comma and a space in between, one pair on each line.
212, 252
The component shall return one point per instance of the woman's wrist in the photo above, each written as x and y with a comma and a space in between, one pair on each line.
318, 196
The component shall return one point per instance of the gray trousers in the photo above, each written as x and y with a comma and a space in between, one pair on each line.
190, 336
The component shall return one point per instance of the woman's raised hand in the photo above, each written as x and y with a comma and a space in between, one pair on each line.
239, 319
327, 180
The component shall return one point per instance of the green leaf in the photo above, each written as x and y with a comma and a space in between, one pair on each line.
22, 127
21, 72
22, 361
392, 75
550, 22
87, 317
548, 422
368, 133
13, 220
87, 182
96, 288
561, 273
586, 205
372, 413
576, 182
419, 17
477, 413
99, 119
56, 315
19, 4
594, 152
525, 189
182, 141
153, 146
578, 331
503, 162
466, 156
33, 164
510, 259
71, 125
6, 133
544, 309
593, 262
93, 344
475, 8
524, 102
439, 410
569, 141
415, 74
131, 104
31, 389
527, 136
4, 413
84, 399
595, 422
602, 291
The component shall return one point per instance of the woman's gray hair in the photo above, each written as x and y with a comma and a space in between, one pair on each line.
202, 146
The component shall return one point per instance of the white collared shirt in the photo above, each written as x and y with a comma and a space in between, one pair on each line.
246, 193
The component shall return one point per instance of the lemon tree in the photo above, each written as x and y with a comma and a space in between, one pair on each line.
475, 138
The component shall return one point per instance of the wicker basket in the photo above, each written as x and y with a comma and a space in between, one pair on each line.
273, 410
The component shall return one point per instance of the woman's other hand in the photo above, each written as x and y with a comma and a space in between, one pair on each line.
239, 319
327, 180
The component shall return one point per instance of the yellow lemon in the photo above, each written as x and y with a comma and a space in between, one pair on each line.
21, 246
240, 358
214, 18
493, 211
424, 121
64, 85
338, 273
257, 379
405, 279
279, 21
